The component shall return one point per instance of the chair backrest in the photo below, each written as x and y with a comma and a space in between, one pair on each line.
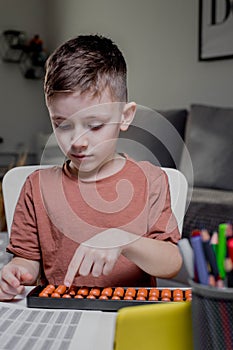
178, 190
15, 178
12, 184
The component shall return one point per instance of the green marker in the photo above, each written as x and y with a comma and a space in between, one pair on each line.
222, 249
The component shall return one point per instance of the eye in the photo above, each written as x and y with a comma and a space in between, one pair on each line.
95, 127
63, 126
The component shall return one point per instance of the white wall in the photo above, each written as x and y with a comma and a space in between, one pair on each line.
159, 39
23, 111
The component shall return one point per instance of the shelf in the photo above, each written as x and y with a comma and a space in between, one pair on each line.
30, 55
12, 43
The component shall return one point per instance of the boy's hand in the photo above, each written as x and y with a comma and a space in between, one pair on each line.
98, 255
88, 260
12, 280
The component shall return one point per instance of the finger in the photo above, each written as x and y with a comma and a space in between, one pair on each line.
11, 277
9, 290
26, 277
5, 296
73, 267
97, 268
86, 265
108, 266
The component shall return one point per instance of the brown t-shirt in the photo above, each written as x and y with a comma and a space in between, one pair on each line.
56, 212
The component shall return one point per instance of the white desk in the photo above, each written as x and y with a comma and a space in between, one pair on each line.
94, 329
24, 328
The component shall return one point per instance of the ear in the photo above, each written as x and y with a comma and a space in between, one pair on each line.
128, 115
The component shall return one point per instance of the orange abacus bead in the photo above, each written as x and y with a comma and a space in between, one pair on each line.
166, 293
119, 291
130, 292
178, 298
166, 299
91, 296
116, 297
83, 291
153, 298
78, 296
67, 296
128, 297
177, 293
188, 292
61, 289
142, 292
43, 294
95, 292
103, 297
49, 289
73, 290
55, 295
107, 292
140, 297
154, 291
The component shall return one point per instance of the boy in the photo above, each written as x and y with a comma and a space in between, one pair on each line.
102, 219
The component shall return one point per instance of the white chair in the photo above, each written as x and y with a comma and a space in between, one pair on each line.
178, 190
12, 184
15, 178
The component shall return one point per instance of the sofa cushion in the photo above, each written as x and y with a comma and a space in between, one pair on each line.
209, 139
201, 215
167, 153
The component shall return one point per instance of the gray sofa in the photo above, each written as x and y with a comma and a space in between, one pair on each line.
163, 137
209, 139
207, 133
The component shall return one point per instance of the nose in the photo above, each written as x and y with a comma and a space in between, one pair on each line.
79, 141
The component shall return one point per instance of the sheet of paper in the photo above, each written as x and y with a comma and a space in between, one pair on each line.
24, 328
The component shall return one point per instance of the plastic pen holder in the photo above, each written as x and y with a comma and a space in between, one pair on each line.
212, 317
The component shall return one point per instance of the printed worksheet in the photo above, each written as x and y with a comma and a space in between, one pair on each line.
24, 329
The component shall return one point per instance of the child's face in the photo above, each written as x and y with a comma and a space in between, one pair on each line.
87, 128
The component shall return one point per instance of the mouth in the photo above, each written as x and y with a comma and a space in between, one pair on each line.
80, 156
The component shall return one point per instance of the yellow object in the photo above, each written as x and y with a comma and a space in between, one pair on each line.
165, 326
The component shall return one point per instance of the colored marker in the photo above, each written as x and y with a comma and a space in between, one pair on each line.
214, 242
230, 248
199, 258
209, 254
222, 249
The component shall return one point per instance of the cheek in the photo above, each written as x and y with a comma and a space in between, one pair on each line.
111, 134
110, 138
105, 146
63, 142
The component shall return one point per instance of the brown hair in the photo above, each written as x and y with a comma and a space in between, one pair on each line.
87, 63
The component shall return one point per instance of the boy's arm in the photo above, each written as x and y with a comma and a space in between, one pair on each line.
157, 258
17, 273
99, 254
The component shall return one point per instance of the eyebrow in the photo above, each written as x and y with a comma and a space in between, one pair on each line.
57, 117
88, 117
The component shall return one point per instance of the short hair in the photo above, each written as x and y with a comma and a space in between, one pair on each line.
87, 63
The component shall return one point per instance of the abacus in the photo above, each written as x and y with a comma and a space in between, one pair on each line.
98, 298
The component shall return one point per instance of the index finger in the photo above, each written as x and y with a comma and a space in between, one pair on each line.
74, 266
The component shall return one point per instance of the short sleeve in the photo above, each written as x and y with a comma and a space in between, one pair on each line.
162, 223
24, 241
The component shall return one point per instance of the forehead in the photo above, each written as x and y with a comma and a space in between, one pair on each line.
67, 104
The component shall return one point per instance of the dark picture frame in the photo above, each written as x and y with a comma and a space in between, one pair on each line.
215, 30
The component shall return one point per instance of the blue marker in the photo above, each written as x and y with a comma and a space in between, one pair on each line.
200, 261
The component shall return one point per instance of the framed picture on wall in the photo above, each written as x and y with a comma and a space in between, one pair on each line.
215, 29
